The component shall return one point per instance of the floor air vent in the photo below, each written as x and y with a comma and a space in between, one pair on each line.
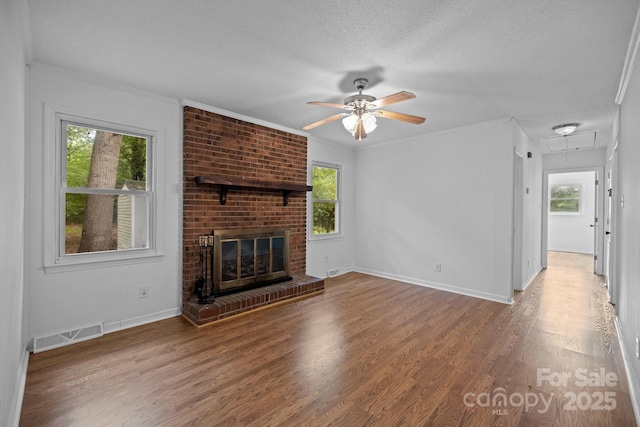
65, 338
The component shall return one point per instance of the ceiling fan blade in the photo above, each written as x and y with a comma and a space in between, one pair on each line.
360, 132
323, 121
331, 105
400, 116
392, 99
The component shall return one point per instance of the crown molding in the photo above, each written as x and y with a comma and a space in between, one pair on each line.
629, 60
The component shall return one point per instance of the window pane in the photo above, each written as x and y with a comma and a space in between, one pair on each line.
262, 255
277, 245
117, 161
565, 192
565, 206
246, 257
324, 181
324, 217
229, 260
97, 223
92, 227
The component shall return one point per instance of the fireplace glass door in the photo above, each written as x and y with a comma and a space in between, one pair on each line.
246, 258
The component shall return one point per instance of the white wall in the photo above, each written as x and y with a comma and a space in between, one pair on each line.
627, 227
334, 253
13, 86
575, 160
444, 198
572, 232
64, 300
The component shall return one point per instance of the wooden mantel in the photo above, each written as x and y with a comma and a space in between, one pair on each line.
226, 183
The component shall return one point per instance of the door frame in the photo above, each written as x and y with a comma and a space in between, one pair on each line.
518, 221
610, 225
598, 250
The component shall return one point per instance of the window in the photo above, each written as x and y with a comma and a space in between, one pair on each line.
105, 191
565, 198
325, 199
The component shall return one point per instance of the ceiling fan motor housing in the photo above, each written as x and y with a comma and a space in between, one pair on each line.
360, 83
359, 101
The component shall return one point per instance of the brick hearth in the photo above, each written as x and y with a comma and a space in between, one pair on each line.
241, 302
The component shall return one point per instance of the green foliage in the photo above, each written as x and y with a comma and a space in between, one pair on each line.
324, 217
324, 181
79, 148
133, 160
564, 206
565, 192
324, 194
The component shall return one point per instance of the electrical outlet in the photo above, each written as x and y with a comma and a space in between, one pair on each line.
144, 291
438, 267
638, 347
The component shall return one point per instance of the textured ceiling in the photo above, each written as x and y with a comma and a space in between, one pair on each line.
543, 62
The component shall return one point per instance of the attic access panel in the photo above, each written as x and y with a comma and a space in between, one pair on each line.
576, 141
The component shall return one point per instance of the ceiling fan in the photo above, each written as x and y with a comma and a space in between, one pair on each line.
363, 110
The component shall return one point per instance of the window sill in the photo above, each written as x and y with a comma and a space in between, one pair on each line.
566, 213
104, 261
324, 238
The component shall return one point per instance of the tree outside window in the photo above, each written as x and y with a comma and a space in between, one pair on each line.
565, 198
325, 199
106, 193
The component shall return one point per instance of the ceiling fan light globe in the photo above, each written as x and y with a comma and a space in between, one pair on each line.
350, 123
566, 129
369, 121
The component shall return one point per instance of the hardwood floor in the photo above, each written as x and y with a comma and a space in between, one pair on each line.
369, 351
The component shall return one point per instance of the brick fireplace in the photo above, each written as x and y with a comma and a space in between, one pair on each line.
239, 175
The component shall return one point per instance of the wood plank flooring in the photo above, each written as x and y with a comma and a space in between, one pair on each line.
368, 351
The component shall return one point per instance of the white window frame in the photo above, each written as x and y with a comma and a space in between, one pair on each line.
580, 199
55, 258
338, 232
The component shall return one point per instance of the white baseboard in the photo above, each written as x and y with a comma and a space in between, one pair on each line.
16, 403
572, 250
338, 271
439, 286
141, 320
632, 380
531, 280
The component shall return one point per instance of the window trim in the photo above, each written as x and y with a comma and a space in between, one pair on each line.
338, 202
579, 198
55, 191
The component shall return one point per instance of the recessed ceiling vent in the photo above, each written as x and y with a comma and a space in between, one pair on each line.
573, 142
65, 338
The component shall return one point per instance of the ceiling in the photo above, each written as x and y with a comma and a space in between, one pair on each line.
542, 62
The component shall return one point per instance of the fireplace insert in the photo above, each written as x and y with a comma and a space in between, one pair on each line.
249, 258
